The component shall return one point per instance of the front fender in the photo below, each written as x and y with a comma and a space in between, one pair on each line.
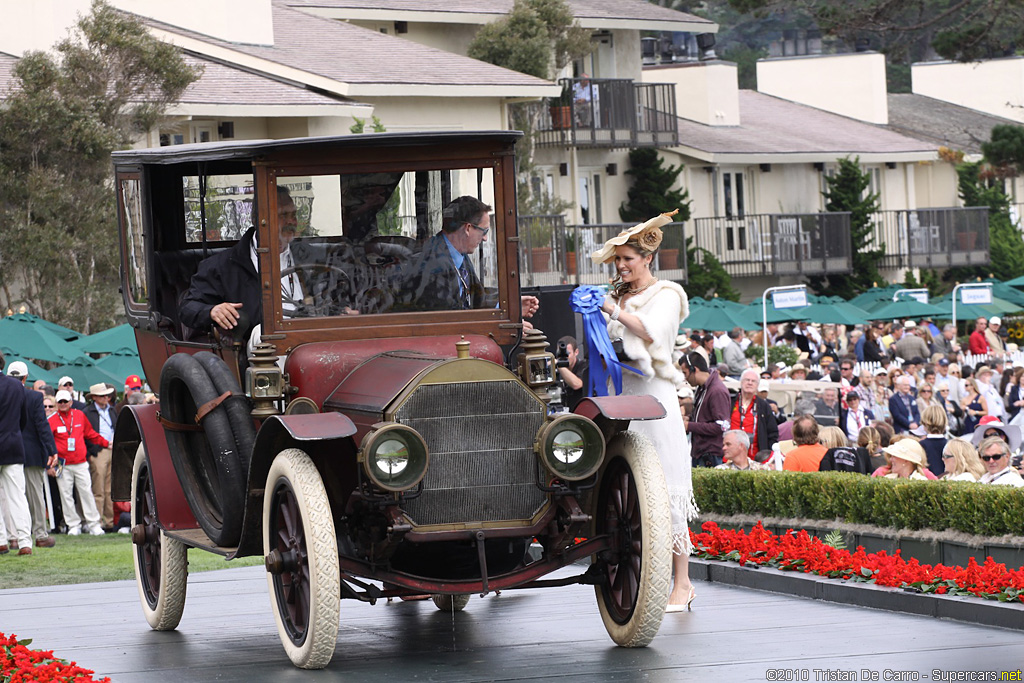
318, 435
138, 425
614, 413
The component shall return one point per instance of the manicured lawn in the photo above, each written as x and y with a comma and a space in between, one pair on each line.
87, 559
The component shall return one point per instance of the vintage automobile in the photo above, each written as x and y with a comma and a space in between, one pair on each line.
385, 444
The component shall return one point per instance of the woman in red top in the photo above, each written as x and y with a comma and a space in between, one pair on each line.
71, 429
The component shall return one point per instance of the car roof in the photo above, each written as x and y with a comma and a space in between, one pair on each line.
246, 149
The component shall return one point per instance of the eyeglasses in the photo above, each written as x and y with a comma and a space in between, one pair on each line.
63, 401
947, 456
68, 384
925, 391
483, 230
987, 458
134, 388
48, 405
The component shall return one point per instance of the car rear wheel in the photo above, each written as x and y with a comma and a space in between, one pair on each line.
633, 509
161, 563
301, 552
450, 603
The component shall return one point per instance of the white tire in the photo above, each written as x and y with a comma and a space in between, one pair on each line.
161, 563
305, 583
450, 603
633, 505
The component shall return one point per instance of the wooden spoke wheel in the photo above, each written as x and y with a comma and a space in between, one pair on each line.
161, 564
633, 508
302, 559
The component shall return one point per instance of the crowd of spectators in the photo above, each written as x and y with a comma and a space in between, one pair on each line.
55, 458
898, 400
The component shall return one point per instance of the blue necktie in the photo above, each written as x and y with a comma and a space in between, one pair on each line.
464, 297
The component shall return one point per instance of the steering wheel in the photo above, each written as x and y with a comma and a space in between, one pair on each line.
327, 290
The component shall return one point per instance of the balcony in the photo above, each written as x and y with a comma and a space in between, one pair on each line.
933, 238
554, 253
759, 245
611, 113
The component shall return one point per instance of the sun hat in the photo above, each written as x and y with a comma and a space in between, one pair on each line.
651, 240
988, 422
101, 389
909, 325
62, 395
881, 371
907, 449
17, 369
797, 367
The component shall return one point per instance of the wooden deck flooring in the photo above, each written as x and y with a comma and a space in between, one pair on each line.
734, 634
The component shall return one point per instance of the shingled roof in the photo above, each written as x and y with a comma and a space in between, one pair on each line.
606, 14
780, 131
348, 60
941, 122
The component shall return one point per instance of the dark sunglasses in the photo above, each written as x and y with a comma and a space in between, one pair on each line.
64, 401
987, 458
947, 456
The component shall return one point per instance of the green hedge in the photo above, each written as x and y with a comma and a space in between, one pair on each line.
857, 499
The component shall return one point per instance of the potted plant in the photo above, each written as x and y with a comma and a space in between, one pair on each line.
561, 108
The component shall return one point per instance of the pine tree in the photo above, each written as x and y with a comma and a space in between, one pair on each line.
847, 190
1006, 247
653, 192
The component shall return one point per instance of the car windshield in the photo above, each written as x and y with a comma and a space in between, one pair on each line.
362, 244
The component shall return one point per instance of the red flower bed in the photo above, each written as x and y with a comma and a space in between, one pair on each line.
799, 551
18, 664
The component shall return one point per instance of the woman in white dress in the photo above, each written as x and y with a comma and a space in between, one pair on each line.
645, 313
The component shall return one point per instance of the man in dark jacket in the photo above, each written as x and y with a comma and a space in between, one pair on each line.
40, 453
710, 411
226, 291
442, 276
12, 463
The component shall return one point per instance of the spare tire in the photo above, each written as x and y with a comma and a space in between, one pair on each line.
238, 409
206, 461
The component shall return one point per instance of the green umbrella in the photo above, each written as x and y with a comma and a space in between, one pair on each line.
34, 371
964, 311
869, 298
1016, 282
715, 315
32, 337
755, 318
85, 373
109, 341
835, 311
64, 333
121, 363
1005, 291
904, 307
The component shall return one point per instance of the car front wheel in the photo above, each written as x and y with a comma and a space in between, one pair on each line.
301, 553
633, 509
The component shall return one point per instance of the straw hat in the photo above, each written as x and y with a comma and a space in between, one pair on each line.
606, 253
909, 450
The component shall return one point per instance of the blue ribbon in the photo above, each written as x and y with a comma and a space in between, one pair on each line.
587, 301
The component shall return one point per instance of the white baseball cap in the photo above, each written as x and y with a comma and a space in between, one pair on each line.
17, 369
62, 395
65, 380
995, 320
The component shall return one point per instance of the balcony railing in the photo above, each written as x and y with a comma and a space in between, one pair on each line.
778, 244
555, 253
933, 238
611, 112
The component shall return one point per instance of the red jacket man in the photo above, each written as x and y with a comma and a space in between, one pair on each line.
71, 428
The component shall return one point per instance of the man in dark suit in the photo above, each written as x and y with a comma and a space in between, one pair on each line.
442, 277
12, 463
40, 453
903, 407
